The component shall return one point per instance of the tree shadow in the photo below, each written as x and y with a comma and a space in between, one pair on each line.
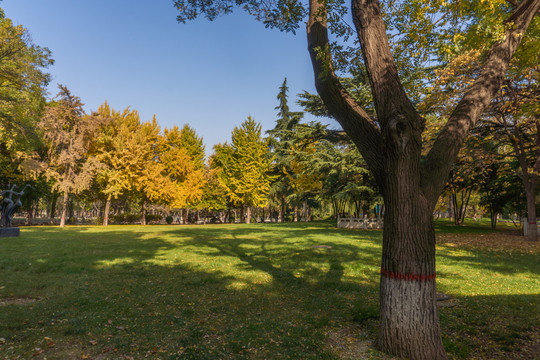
492, 326
215, 292
222, 292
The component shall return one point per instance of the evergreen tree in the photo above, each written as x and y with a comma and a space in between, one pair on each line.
281, 142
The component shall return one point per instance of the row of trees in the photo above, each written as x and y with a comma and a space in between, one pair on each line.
112, 160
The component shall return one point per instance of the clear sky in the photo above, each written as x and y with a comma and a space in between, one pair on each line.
210, 75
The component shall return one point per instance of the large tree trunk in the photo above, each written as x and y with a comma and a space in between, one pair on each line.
64, 208
106, 212
409, 320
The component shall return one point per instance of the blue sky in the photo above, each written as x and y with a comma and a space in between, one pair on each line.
210, 75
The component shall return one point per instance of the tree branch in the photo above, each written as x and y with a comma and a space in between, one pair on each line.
388, 92
514, 3
437, 165
363, 131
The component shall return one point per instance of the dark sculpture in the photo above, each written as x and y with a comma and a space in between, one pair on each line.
10, 205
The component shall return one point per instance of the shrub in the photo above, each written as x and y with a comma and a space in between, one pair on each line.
153, 219
169, 219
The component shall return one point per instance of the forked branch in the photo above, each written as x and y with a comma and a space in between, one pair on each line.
363, 130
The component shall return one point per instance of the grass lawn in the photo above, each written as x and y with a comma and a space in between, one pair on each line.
272, 291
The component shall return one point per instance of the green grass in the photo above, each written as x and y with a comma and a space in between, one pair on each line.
274, 291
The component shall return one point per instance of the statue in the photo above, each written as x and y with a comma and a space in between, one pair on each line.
10, 205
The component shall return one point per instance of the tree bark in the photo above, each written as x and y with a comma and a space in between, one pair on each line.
532, 226
143, 211
493, 219
528, 178
281, 216
106, 211
409, 320
53, 205
64, 208
248, 215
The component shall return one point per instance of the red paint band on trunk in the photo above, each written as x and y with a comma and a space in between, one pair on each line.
409, 277
532, 223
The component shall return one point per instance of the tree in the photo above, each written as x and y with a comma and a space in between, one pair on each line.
23, 82
511, 120
148, 177
23, 85
109, 148
245, 166
391, 145
68, 133
181, 152
516, 114
127, 150
281, 142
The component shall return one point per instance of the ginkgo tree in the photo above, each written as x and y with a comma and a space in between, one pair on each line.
391, 142
245, 166
68, 133
126, 148
181, 152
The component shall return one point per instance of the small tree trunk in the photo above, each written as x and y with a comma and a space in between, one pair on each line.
493, 219
450, 208
248, 215
53, 205
29, 215
295, 213
305, 210
143, 211
532, 227
106, 212
64, 209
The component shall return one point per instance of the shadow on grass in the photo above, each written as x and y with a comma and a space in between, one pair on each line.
493, 327
215, 292
260, 291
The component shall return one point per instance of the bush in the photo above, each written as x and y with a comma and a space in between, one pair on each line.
169, 219
132, 218
153, 219
124, 219
117, 219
